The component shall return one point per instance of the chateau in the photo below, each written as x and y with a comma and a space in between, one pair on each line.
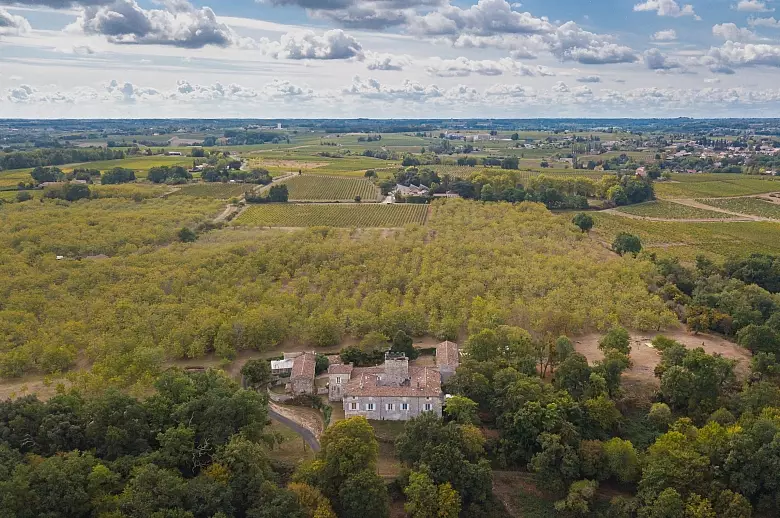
395, 390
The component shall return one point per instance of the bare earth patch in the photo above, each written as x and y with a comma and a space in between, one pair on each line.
645, 358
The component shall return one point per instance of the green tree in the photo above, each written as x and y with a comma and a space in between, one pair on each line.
660, 416
579, 500
421, 497
278, 194
461, 410
669, 504
347, 448
583, 221
187, 235
626, 243
364, 494
617, 338
402, 343
573, 375
257, 373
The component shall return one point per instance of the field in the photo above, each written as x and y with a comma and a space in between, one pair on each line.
714, 186
330, 188
332, 215
669, 210
220, 191
285, 161
752, 206
718, 240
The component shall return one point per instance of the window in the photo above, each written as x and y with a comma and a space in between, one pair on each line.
390, 406
428, 407
404, 406
338, 380
370, 407
353, 406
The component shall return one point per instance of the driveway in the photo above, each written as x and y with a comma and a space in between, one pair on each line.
307, 435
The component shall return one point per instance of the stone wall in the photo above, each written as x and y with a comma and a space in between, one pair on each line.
302, 385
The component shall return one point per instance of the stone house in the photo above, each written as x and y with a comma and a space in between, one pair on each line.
302, 376
447, 359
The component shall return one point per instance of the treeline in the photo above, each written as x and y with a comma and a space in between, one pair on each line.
58, 156
196, 448
240, 137
704, 448
739, 299
257, 175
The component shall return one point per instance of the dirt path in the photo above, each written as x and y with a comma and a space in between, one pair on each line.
306, 418
698, 205
308, 436
741, 219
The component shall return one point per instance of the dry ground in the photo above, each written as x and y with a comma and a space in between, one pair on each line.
645, 357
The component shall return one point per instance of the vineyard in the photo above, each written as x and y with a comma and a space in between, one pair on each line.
333, 215
752, 206
670, 210
330, 188
714, 186
220, 191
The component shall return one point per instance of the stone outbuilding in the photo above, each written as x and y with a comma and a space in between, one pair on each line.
303, 373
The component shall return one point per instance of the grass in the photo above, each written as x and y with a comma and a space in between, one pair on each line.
752, 206
714, 186
718, 240
291, 448
333, 215
330, 188
670, 210
220, 191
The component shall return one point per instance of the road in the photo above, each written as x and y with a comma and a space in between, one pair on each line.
307, 435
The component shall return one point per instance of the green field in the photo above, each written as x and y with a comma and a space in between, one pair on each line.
714, 186
220, 191
669, 210
718, 240
333, 215
331, 188
752, 206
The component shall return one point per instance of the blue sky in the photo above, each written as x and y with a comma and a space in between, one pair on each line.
389, 58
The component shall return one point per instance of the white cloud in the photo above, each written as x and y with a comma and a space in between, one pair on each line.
572, 43
333, 44
463, 67
730, 32
736, 54
383, 61
752, 6
486, 18
764, 22
589, 79
13, 25
657, 60
180, 25
666, 35
666, 8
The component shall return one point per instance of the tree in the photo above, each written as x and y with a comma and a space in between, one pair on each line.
364, 494
759, 339
618, 339
461, 410
47, 174
622, 460
669, 504
660, 415
278, 194
321, 364
23, 196
117, 175
626, 243
579, 500
402, 343
187, 235
257, 373
312, 500
426, 500
573, 375
347, 448
583, 221
515, 136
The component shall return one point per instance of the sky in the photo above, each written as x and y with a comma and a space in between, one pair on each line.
389, 58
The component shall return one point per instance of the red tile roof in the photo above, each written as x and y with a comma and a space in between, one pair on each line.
340, 368
424, 381
447, 353
304, 366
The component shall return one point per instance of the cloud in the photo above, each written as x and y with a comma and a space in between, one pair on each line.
730, 32
372, 14
463, 67
571, 43
333, 44
58, 4
764, 22
408, 90
667, 35
666, 8
752, 6
656, 60
486, 18
589, 79
380, 61
737, 54
181, 25
12, 25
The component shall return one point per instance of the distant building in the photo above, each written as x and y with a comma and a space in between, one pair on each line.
174, 153
411, 190
641, 172
393, 391
448, 194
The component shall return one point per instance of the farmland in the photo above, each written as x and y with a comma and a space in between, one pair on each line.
220, 191
333, 215
330, 188
718, 240
753, 206
669, 210
714, 186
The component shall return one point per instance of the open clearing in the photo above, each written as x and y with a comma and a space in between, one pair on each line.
714, 186
333, 215
646, 358
221, 191
331, 188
